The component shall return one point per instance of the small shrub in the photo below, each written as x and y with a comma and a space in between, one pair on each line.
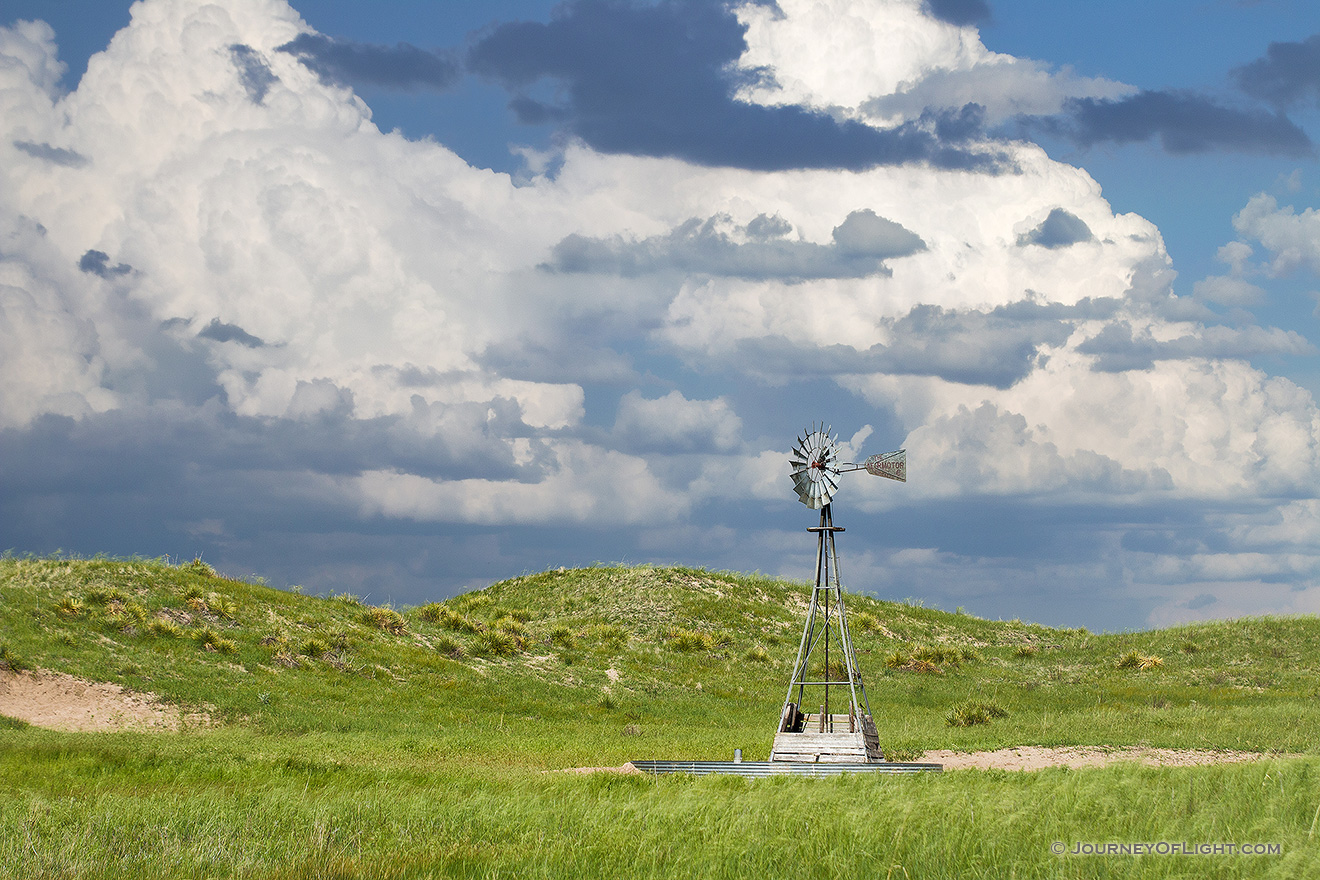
70, 606
211, 640
1022, 652
126, 617
192, 591
163, 626
916, 664
607, 636
386, 619
448, 647
865, 621
945, 655
349, 599
474, 601
1190, 647
757, 654
494, 643
220, 605
11, 661
688, 640
99, 595
608, 703
443, 615
969, 713
1134, 659
315, 647
510, 625
199, 568
562, 637
904, 663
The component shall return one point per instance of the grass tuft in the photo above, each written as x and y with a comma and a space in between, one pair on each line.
972, 712
199, 568
688, 640
386, 619
11, 661
164, 626
211, 640
1134, 659
444, 616
494, 643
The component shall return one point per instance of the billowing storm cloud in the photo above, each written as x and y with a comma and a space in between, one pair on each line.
238, 319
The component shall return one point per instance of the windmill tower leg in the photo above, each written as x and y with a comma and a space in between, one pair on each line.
826, 736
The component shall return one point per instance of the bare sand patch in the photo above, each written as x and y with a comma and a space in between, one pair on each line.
1078, 757
63, 702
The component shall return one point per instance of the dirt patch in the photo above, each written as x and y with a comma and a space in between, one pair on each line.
1077, 757
62, 702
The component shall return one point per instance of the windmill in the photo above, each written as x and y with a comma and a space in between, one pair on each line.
828, 736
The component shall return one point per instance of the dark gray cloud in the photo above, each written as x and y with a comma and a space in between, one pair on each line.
1060, 229
253, 71
401, 66
1287, 76
658, 80
1183, 122
996, 348
98, 263
959, 12
58, 155
712, 247
1119, 348
219, 331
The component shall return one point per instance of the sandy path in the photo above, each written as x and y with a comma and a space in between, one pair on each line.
62, 702
1040, 757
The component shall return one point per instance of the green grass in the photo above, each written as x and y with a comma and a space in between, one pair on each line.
378, 742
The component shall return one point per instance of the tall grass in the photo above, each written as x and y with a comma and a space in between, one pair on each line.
377, 742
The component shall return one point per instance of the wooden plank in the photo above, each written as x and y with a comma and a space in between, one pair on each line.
805, 741
820, 747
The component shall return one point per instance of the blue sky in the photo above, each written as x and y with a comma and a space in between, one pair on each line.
402, 299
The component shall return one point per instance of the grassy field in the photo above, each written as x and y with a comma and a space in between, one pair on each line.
358, 741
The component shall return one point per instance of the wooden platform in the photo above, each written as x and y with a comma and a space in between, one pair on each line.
835, 745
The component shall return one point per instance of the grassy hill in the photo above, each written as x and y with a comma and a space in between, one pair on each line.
354, 740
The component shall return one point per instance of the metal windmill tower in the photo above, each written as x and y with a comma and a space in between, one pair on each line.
833, 681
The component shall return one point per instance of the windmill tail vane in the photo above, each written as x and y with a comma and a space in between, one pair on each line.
890, 465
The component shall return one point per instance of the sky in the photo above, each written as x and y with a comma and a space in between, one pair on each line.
403, 299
